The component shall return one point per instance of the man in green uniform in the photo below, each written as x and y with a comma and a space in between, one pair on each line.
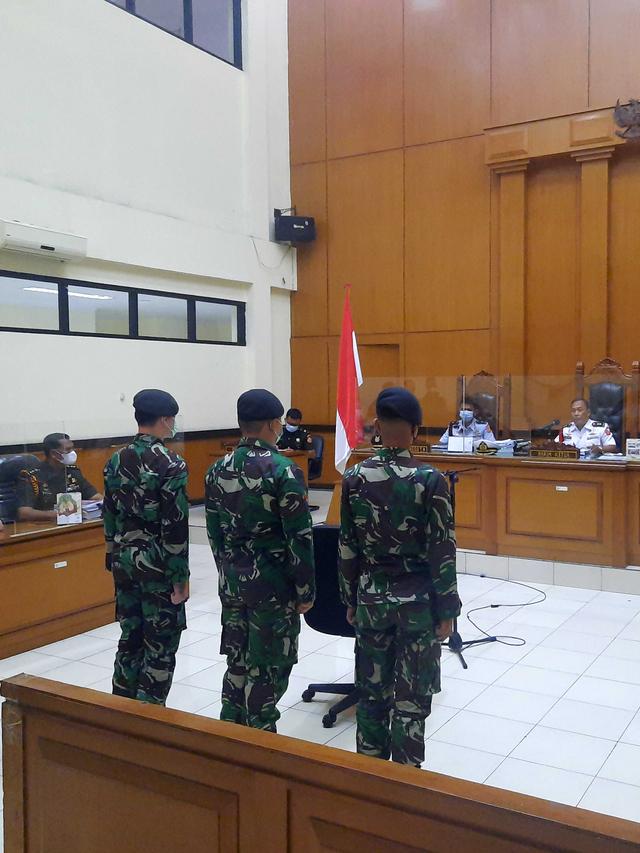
259, 528
397, 570
146, 524
38, 487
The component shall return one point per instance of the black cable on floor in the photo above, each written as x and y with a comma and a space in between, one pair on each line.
503, 638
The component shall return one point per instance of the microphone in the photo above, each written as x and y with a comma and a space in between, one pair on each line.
549, 426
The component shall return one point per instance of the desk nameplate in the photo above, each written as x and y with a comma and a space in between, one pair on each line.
545, 453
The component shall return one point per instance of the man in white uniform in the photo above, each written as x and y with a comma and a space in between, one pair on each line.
469, 426
586, 434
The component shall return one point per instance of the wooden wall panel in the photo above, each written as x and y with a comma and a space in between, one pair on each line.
309, 307
624, 259
447, 236
614, 56
310, 379
434, 360
365, 212
447, 63
307, 99
539, 59
381, 368
551, 292
364, 76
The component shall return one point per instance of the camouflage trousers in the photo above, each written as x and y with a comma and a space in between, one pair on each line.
151, 627
261, 645
398, 671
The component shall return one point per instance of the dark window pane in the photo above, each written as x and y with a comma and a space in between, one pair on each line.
168, 14
28, 304
216, 322
213, 27
162, 316
98, 312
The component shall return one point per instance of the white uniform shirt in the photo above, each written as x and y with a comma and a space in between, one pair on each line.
474, 428
592, 433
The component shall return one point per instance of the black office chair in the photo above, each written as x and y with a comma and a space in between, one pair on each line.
614, 396
315, 465
607, 404
329, 616
10, 468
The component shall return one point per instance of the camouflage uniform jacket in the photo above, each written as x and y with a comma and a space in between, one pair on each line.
146, 513
397, 542
259, 526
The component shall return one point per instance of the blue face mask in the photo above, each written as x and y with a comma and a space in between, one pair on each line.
290, 427
466, 416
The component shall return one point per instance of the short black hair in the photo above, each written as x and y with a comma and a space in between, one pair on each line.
582, 400
146, 419
253, 427
394, 420
296, 414
52, 441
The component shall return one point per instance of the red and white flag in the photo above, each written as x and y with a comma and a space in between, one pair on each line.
349, 429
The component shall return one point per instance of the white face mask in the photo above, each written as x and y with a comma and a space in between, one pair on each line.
277, 434
290, 427
466, 416
69, 458
174, 429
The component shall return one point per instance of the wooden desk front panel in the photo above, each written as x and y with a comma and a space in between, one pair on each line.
39, 603
633, 515
87, 771
475, 500
558, 513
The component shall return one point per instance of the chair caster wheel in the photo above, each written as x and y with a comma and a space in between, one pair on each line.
308, 695
328, 720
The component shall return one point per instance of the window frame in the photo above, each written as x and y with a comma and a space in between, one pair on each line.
187, 19
191, 299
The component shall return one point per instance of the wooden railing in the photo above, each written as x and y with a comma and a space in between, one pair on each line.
85, 772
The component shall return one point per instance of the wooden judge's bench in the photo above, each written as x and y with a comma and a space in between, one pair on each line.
570, 511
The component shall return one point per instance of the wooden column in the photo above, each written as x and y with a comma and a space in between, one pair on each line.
593, 255
511, 286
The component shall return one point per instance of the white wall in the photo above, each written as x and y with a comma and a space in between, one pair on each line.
170, 162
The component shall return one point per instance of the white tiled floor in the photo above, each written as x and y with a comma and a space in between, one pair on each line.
557, 718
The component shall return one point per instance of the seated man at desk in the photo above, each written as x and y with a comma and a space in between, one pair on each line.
38, 487
585, 434
294, 437
468, 425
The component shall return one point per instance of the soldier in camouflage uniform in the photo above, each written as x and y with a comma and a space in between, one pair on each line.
146, 523
259, 528
397, 570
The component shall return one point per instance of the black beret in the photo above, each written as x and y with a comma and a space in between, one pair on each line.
399, 403
259, 405
155, 402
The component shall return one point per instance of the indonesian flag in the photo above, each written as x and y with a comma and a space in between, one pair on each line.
349, 430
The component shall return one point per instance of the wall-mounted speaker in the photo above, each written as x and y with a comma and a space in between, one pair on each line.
294, 229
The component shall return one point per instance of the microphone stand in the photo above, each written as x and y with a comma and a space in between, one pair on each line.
455, 643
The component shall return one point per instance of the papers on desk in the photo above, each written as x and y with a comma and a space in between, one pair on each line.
633, 449
460, 444
91, 510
